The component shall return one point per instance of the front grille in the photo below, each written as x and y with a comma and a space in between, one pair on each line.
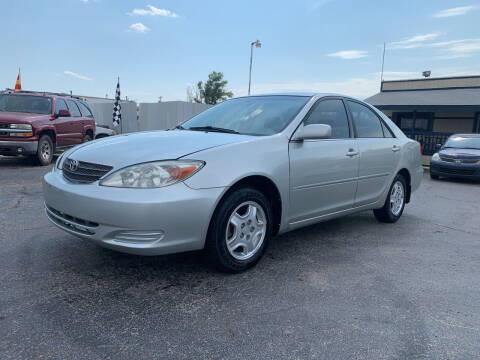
83, 172
4, 126
455, 171
461, 159
70, 223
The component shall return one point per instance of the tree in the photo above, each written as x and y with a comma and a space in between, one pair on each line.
213, 90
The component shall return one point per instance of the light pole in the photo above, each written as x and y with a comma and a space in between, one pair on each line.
257, 44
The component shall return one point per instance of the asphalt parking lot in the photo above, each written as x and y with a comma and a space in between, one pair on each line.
350, 288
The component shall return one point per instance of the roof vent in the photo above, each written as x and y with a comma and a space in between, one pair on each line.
426, 74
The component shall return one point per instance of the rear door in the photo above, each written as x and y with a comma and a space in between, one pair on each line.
379, 153
323, 173
77, 122
64, 127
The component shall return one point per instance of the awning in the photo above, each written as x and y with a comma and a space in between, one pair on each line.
444, 99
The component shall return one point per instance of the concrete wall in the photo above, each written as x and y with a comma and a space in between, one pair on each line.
103, 113
166, 115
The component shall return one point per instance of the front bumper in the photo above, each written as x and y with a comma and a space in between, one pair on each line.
137, 221
454, 170
11, 148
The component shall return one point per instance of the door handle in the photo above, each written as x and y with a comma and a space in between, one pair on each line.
352, 153
395, 148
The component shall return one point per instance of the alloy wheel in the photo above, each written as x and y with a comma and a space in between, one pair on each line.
397, 198
246, 230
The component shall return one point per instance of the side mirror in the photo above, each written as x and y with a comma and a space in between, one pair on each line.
314, 131
63, 113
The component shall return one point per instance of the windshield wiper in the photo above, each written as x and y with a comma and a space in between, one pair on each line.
213, 129
179, 127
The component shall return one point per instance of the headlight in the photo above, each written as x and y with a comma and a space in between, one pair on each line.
153, 174
21, 126
435, 157
22, 134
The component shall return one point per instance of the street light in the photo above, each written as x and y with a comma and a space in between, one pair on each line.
257, 44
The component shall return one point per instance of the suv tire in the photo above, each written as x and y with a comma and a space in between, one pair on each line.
395, 203
45, 151
87, 138
251, 211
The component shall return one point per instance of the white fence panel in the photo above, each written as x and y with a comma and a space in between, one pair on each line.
103, 113
166, 115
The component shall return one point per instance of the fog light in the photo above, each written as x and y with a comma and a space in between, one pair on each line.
133, 236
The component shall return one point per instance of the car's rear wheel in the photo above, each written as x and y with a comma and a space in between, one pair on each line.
395, 203
240, 230
87, 138
45, 150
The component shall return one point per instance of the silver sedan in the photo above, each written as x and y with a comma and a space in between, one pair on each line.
234, 176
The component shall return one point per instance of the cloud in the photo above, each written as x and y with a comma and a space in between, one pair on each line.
153, 11
139, 28
349, 54
76, 76
413, 42
317, 4
462, 10
455, 49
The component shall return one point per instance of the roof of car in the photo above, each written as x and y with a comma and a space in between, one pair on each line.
467, 135
306, 93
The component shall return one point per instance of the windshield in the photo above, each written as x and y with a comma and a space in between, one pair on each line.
26, 104
256, 115
463, 142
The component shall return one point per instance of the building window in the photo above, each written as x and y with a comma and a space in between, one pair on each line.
423, 121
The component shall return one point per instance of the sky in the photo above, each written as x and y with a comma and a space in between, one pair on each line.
159, 48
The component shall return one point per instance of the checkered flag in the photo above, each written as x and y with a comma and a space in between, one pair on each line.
117, 115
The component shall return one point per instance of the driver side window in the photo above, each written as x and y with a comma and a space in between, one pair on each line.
331, 112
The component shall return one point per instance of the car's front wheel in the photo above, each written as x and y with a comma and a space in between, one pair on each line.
240, 230
393, 208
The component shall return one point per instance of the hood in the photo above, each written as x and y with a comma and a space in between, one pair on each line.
18, 118
460, 153
128, 149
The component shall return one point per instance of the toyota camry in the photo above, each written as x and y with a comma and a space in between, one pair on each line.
234, 176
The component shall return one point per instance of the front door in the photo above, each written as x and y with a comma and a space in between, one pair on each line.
63, 125
323, 173
379, 154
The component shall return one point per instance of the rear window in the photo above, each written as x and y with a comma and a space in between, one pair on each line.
26, 104
85, 110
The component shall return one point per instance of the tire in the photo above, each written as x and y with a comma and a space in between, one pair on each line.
87, 138
45, 151
392, 210
433, 177
234, 248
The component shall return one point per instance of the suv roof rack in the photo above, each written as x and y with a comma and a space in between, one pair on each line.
42, 93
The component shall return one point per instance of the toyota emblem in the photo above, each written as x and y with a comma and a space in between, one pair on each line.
73, 165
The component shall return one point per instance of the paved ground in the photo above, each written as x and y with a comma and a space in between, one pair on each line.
348, 288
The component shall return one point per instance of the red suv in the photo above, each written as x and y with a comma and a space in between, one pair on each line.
38, 124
